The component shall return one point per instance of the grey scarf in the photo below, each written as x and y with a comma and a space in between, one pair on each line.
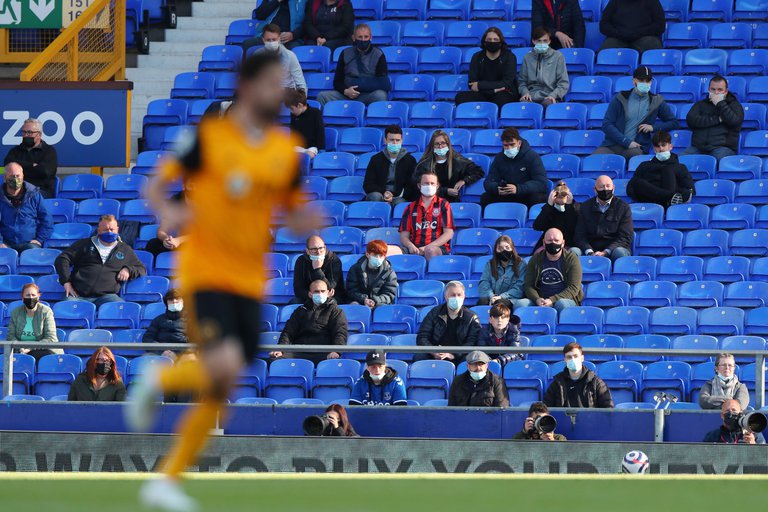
726, 389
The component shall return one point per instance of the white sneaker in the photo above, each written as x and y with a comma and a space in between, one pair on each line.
166, 494
142, 401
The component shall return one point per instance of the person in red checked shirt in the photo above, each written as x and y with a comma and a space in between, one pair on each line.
427, 224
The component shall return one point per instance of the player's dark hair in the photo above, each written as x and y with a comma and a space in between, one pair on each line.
538, 407
660, 138
393, 129
273, 28
257, 63
572, 345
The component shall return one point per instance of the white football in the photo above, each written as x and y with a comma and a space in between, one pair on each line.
635, 463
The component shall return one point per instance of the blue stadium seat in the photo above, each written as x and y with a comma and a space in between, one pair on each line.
748, 62
659, 242
730, 35
474, 241
645, 342
386, 33
431, 114
314, 187
700, 294
755, 143
701, 167
149, 313
537, 320
566, 115
76, 314
289, 378
8, 259
596, 115
581, 142
124, 186
464, 33
19, 397
624, 378
344, 113
221, 58
633, 269
757, 322
333, 164
430, 380
754, 117
146, 289
314, 58
592, 89
118, 315
240, 30
139, 366
473, 193
86, 335
680, 89
542, 141
749, 10
673, 321
733, 216
394, 319
595, 268
504, 216
558, 166
415, 140
487, 141
423, 33
343, 239
581, 320
757, 90
663, 62
50, 286
525, 380
147, 161
490, 9
466, 215
672, 377
752, 191
81, 186
522, 115
62, 210
389, 235
749, 242
705, 61
269, 317
647, 215
653, 294
448, 9
367, 214
616, 61
727, 269
686, 35
402, 340
712, 192
408, 266
360, 140
521, 10
746, 294
421, 293
196, 112
346, 189
578, 61
383, 113
721, 321
706, 242
446, 88
449, 268
606, 294
318, 82
594, 166
89, 211
193, 85
161, 114
676, 10
55, 374
334, 379
460, 138
701, 374
250, 384
479, 114
138, 210
710, 10
279, 291
37, 261
735, 343
403, 9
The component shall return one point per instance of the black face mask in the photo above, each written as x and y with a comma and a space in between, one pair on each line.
363, 46
604, 195
731, 421
28, 142
103, 368
553, 248
505, 255
492, 47
31, 303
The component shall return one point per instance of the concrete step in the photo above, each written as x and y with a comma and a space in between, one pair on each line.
234, 10
205, 36
160, 73
166, 62
205, 22
168, 48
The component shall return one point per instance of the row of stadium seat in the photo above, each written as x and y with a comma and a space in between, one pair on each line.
142, 289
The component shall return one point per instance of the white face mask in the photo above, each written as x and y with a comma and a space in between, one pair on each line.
574, 365
559, 207
428, 190
175, 307
441, 152
319, 298
376, 378
476, 376
272, 46
455, 303
316, 257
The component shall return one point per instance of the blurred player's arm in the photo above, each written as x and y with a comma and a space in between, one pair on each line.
174, 214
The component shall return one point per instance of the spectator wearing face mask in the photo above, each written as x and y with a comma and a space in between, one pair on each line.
543, 75
605, 224
663, 179
317, 262
559, 212
492, 72
379, 385
319, 321
715, 122
38, 160
725, 385
93, 269
478, 386
171, 326
389, 175
287, 15
449, 325
503, 330
730, 432
576, 385
426, 227
503, 276
100, 382
25, 222
372, 281
453, 170
328, 23
294, 76
33, 321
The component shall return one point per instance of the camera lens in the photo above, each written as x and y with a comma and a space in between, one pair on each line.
545, 424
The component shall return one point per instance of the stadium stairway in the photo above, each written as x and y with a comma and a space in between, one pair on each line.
180, 52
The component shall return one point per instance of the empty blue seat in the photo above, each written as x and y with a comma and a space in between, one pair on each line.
754, 118
55, 374
487, 141
37, 261
333, 164
653, 294
687, 216
314, 58
394, 318
558, 166
753, 192
581, 142
504, 215
596, 115
755, 143
240, 30
663, 62
705, 61
475, 241
746, 294
389, 235
423, 33
318, 82
646, 215
448, 9
402, 9
542, 141
118, 315
730, 35
566, 116
727, 269
408, 266
334, 379
50, 286
446, 88
735, 343
757, 89
712, 192
314, 187
645, 342
146, 289
147, 161
578, 61
757, 322
221, 58
402, 340
616, 61
383, 113
62, 210
421, 293
490, 9
449, 268
537, 320
124, 186
633, 269
279, 290
659, 242
671, 377
81, 186
721, 321
225, 86
686, 35
593, 89
624, 378
680, 89
466, 215
673, 321
522, 115
367, 214
193, 85
431, 114
733, 216
479, 114
149, 313
346, 189
344, 113
700, 294
606, 294
86, 335
77, 314
595, 268
525, 380
430, 380
386, 33
439, 59
360, 140
289, 378
706, 242
581, 320
8, 259
748, 62
90, 211
749, 242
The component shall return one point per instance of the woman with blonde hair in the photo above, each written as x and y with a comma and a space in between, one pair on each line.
560, 212
33, 321
453, 170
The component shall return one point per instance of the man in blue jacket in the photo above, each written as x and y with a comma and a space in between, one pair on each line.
379, 384
517, 174
633, 116
24, 221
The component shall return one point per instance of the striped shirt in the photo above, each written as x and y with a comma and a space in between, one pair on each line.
425, 225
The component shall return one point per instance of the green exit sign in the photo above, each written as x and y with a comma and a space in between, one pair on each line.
33, 13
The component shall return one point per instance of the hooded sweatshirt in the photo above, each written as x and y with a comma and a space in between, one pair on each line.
543, 74
390, 391
526, 171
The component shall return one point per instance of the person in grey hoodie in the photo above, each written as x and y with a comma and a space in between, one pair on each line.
516, 175
543, 76
294, 77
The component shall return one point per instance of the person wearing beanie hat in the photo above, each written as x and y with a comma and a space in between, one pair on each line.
478, 386
379, 385
633, 116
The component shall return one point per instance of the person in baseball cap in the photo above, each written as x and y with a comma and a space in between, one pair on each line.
633, 116
379, 385
478, 387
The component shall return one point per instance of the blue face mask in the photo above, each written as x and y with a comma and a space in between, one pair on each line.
663, 156
108, 237
394, 148
574, 365
441, 151
511, 153
375, 261
319, 298
476, 376
722, 378
643, 88
316, 257
541, 47
455, 303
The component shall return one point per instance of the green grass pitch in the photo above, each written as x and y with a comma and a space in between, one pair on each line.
34, 492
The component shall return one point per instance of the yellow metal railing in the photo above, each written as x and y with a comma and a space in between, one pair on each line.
90, 49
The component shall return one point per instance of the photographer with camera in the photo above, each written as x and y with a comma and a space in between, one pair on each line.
379, 385
478, 387
334, 423
737, 427
539, 425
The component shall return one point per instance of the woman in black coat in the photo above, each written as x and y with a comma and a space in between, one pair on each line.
171, 326
492, 72
372, 281
453, 170
563, 20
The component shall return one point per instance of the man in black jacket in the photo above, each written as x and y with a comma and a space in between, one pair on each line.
563, 19
663, 179
731, 432
372, 280
319, 321
317, 263
361, 73
171, 326
517, 174
478, 387
449, 325
93, 269
492, 72
577, 386
389, 174
38, 159
636, 24
715, 122
328, 23
605, 225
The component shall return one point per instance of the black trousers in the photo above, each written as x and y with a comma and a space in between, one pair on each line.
526, 199
499, 98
